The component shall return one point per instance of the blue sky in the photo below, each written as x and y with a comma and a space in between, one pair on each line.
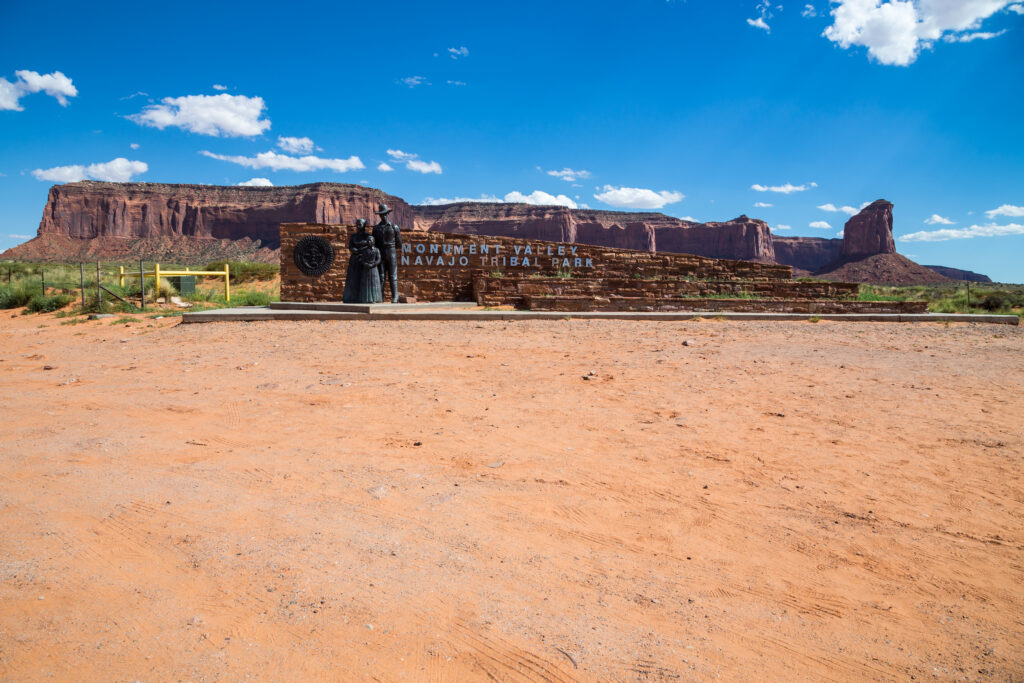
701, 108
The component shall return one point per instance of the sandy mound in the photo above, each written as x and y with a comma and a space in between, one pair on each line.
881, 269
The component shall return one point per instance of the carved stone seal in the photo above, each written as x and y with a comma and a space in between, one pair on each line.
313, 255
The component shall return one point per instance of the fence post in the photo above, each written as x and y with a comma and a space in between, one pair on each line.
121, 278
142, 284
99, 292
156, 281
227, 282
81, 281
42, 278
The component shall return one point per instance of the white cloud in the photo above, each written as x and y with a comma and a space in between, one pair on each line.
424, 166
764, 12
637, 197
134, 145
936, 219
895, 31
278, 162
788, 188
54, 84
484, 198
567, 174
537, 198
383, 167
848, 210
540, 198
971, 37
413, 162
218, 86
840, 233
9, 95
399, 155
457, 52
456, 83
295, 145
683, 218
762, 205
1017, 7
118, 170
1006, 210
809, 11
21, 237
990, 230
413, 81
217, 115
257, 182
783, 227
760, 23
821, 225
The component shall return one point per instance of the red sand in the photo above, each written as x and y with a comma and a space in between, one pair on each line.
449, 501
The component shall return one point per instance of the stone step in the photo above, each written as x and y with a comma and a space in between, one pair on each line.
809, 306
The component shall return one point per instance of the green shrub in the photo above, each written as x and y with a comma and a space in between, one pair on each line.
997, 301
106, 306
41, 303
17, 295
253, 298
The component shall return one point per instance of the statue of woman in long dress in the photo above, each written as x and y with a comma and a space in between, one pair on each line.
370, 290
361, 286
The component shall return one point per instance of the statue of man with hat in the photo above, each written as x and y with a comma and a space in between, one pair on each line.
388, 238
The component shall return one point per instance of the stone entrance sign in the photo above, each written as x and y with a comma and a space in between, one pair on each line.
486, 253
437, 266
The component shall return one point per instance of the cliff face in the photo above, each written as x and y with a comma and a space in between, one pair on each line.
88, 209
806, 253
91, 210
159, 214
741, 238
869, 232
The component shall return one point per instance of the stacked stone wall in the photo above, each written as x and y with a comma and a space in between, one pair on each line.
490, 290
442, 266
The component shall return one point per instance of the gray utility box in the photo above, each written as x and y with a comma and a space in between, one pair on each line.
185, 284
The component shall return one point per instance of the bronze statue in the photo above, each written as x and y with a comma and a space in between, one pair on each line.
362, 279
388, 238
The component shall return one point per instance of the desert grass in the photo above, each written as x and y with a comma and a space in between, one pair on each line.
954, 297
22, 286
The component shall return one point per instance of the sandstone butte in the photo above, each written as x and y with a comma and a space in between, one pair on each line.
101, 220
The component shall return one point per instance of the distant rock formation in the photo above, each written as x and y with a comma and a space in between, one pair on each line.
104, 211
957, 274
868, 253
91, 209
99, 220
869, 232
742, 238
806, 253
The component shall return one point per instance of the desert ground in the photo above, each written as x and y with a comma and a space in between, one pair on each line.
525, 501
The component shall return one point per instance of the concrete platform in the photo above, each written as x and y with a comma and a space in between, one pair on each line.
459, 312
369, 308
